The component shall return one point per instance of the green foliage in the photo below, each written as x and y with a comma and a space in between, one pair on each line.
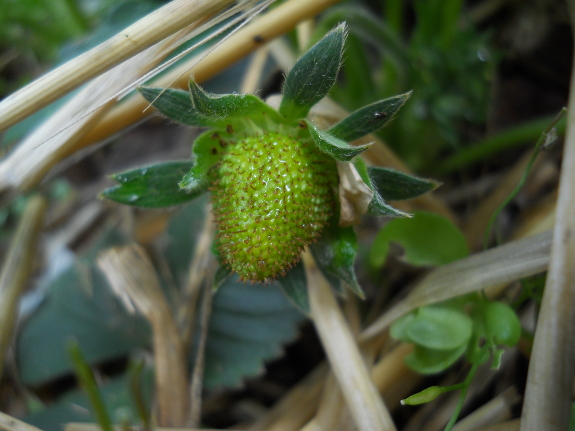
427, 240
442, 333
447, 64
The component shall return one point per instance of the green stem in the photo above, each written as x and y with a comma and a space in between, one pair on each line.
464, 386
536, 151
88, 383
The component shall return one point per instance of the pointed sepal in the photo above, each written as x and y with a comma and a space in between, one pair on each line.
335, 253
207, 150
313, 75
223, 108
338, 149
394, 185
175, 104
377, 207
153, 186
368, 119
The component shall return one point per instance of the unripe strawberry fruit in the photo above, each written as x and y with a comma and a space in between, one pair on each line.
271, 196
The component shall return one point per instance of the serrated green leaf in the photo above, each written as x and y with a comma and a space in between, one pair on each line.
427, 239
294, 285
313, 75
223, 108
335, 254
439, 328
368, 119
394, 185
248, 325
154, 186
429, 361
175, 104
79, 303
333, 146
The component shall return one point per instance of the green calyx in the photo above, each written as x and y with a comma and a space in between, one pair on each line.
274, 174
271, 195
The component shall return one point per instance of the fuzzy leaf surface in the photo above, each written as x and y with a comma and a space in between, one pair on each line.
313, 75
335, 254
175, 104
333, 146
377, 207
368, 119
154, 186
394, 185
221, 108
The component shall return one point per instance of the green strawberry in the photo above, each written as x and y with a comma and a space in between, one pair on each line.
271, 196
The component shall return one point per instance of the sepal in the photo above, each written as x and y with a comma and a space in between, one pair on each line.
335, 253
175, 104
394, 185
368, 119
154, 186
313, 75
335, 147
222, 109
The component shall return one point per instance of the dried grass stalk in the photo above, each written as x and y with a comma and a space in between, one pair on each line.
132, 276
362, 398
503, 264
549, 389
268, 26
149, 30
17, 268
58, 136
